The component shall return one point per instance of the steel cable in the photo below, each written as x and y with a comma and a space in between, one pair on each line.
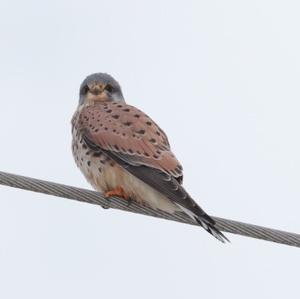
93, 197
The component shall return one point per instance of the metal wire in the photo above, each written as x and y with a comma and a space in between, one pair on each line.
92, 197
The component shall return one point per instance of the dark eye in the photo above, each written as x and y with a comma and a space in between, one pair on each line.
109, 88
84, 89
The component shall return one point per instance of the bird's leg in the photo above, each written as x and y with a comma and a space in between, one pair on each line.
119, 191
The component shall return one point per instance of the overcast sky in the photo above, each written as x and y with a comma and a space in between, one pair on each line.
220, 77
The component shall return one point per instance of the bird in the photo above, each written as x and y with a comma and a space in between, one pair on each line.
123, 152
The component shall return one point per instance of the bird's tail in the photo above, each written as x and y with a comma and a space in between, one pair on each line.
210, 226
205, 221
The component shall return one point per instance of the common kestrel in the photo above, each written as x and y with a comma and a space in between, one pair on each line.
123, 152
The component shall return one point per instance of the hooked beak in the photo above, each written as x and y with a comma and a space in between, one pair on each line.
96, 93
96, 88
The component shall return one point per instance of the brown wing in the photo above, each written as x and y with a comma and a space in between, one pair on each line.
130, 134
135, 141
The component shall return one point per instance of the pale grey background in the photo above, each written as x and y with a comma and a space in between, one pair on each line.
221, 78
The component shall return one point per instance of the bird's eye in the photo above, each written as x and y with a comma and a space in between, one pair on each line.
109, 88
85, 89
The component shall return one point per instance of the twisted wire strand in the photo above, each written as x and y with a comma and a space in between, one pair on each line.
93, 197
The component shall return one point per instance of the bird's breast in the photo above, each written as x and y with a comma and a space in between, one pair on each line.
96, 166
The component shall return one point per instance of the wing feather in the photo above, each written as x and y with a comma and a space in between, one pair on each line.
129, 134
135, 142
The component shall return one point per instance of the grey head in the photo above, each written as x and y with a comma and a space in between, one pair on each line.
100, 87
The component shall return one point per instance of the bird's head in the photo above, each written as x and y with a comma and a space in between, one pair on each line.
99, 87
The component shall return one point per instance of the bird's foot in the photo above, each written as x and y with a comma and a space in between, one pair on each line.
119, 191
107, 205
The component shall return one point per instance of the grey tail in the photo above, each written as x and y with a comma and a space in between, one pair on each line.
210, 226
